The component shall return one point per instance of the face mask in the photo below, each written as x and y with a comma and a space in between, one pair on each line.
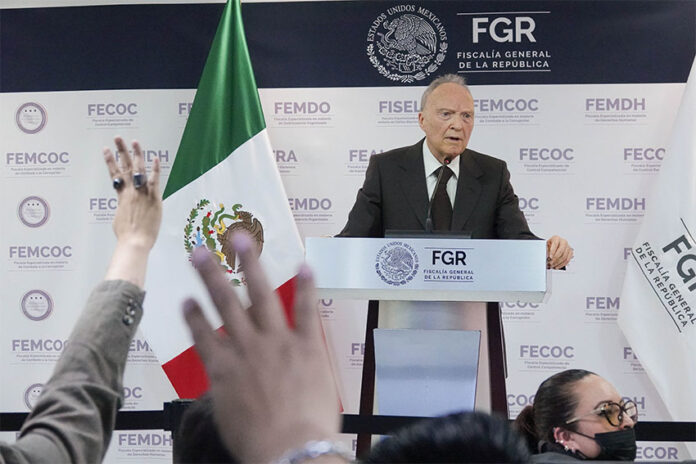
615, 446
619, 445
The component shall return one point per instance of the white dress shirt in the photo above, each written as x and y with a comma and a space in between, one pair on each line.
431, 165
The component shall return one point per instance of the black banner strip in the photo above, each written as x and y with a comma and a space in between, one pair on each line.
352, 43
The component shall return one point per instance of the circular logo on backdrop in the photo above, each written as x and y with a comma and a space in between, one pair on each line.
396, 263
31, 117
37, 305
31, 395
33, 211
406, 43
212, 226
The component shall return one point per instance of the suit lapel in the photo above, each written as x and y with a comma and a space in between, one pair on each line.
412, 181
468, 190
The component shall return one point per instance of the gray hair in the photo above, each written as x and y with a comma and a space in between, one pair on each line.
437, 82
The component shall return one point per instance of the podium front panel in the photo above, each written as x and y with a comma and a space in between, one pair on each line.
426, 269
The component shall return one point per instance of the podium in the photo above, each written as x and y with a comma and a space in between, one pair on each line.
412, 275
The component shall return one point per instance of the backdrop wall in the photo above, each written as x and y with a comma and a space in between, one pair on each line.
578, 97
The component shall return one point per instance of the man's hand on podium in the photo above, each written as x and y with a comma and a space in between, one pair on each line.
558, 252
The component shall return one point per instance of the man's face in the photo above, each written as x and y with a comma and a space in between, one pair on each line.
447, 120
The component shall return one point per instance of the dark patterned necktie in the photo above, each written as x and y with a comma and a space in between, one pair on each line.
442, 206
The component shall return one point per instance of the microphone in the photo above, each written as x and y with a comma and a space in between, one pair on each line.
429, 216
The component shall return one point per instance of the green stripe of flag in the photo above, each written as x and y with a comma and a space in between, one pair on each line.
226, 111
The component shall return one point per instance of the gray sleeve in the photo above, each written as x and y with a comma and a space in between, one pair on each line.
75, 415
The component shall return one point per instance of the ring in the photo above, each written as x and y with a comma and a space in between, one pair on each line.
118, 183
138, 180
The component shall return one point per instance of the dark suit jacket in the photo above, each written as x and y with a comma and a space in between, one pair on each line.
395, 196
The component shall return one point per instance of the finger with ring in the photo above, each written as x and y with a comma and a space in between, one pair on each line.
139, 180
118, 183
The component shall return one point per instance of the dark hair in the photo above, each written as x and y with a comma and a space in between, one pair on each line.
462, 437
554, 404
197, 439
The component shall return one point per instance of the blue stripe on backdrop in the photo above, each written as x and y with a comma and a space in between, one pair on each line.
324, 44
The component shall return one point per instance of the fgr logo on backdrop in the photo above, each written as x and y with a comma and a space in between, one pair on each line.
31, 395
31, 118
33, 211
406, 43
503, 42
36, 305
502, 29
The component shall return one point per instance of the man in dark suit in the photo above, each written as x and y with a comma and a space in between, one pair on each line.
474, 194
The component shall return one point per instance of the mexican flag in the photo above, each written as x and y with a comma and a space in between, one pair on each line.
224, 179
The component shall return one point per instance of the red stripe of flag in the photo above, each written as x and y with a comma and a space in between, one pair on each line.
186, 371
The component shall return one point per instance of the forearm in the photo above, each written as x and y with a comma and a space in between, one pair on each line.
129, 262
74, 417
